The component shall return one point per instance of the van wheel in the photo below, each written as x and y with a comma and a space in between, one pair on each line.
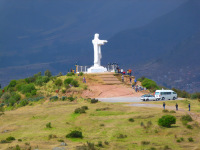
147, 100
163, 98
174, 98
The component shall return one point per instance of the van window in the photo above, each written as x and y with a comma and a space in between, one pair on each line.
174, 92
157, 93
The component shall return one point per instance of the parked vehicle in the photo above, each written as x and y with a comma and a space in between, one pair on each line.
165, 95
148, 97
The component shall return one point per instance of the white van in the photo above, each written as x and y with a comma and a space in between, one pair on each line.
165, 95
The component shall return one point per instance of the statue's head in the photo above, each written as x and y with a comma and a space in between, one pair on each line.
96, 36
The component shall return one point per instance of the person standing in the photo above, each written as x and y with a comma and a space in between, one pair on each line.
130, 80
164, 105
189, 106
176, 106
122, 78
130, 72
135, 81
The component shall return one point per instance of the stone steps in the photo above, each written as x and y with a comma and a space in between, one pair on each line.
109, 79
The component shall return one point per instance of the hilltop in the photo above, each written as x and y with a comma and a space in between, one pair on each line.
47, 108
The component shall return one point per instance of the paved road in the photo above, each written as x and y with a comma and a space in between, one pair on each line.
123, 99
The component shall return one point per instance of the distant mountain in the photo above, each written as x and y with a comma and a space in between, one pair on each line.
157, 39
49, 30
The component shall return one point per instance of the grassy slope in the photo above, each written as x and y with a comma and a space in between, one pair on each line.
29, 124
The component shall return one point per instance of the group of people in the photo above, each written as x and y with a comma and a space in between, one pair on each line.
138, 88
129, 71
175, 106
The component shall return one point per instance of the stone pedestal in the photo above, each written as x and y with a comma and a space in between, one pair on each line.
97, 69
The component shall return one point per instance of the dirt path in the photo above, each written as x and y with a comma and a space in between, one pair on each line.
194, 116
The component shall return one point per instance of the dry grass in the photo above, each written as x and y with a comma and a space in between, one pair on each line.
29, 124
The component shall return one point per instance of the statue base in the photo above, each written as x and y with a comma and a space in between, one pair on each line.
97, 69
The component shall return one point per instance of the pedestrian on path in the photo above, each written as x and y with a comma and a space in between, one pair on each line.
176, 106
122, 78
189, 106
164, 105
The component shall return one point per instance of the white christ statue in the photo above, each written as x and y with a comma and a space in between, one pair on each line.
97, 55
97, 49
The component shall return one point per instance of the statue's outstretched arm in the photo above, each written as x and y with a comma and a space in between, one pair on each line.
101, 42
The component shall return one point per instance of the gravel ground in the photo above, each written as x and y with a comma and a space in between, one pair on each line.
123, 99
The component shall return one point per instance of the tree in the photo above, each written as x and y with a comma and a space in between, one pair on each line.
58, 82
47, 73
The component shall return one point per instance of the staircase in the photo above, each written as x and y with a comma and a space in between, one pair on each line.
109, 79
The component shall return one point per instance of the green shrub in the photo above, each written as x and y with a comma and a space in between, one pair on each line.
64, 98
149, 124
187, 118
63, 91
58, 82
190, 139
141, 124
71, 98
94, 100
106, 142
75, 83
81, 74
149, 84
27, 88
6, 96
68, 81
165, 111
10, 138
47, 73
20, 140
100, 144
51, 136
121, 136
167, 121
74, 134
189, 126
178, 140
172, 111
84, 107
60, 140
17, 147
12, 83
102, 125
23, 103
70, 74
145, 142
48, 125
53, 98
79, 111
131, 120
182, 139
4, 141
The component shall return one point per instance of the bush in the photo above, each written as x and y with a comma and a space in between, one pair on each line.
6, 96
58, 82
187, 118
70, 74
149, 124
71, 98
149, 84
23, 103
81, 74
131, 120
172, 111
28, 88
17, 147
121, 136
167, 121
48, 125
189, 126
165, 111
20, 140
75, 134
47, 73
178, 140
75, 83
60, 140
68, 81
106, 142
79, 111
53, 98
84, 107
12, 83
10, 138
100, 144
63, 91
64, 98
94, 100
145, 142
190, 139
